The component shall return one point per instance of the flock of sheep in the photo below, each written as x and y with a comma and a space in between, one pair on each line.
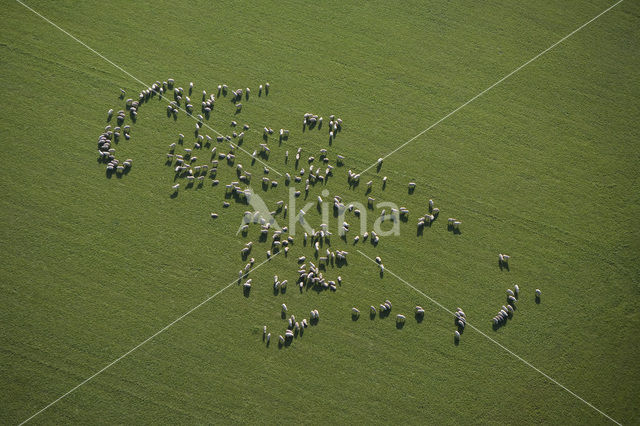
294, 328
111, 135
194, 164
506, 312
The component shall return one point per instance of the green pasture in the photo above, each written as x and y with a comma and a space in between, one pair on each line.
544, 167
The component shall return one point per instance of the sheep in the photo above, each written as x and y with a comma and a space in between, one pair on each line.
268, 338
456, 335
355, 312
281, 339
400, 319
516, 290
509, 292
176, 186
372, 310
284, 308
538, 292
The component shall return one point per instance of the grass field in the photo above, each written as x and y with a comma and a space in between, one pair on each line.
543, 167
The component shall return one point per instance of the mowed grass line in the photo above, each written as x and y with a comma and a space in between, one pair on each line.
97, 265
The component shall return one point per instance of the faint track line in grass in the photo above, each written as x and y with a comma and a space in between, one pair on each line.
139, 81
441, 306
148, 339
493, 85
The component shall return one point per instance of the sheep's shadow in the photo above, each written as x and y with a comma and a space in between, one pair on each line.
502, 265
